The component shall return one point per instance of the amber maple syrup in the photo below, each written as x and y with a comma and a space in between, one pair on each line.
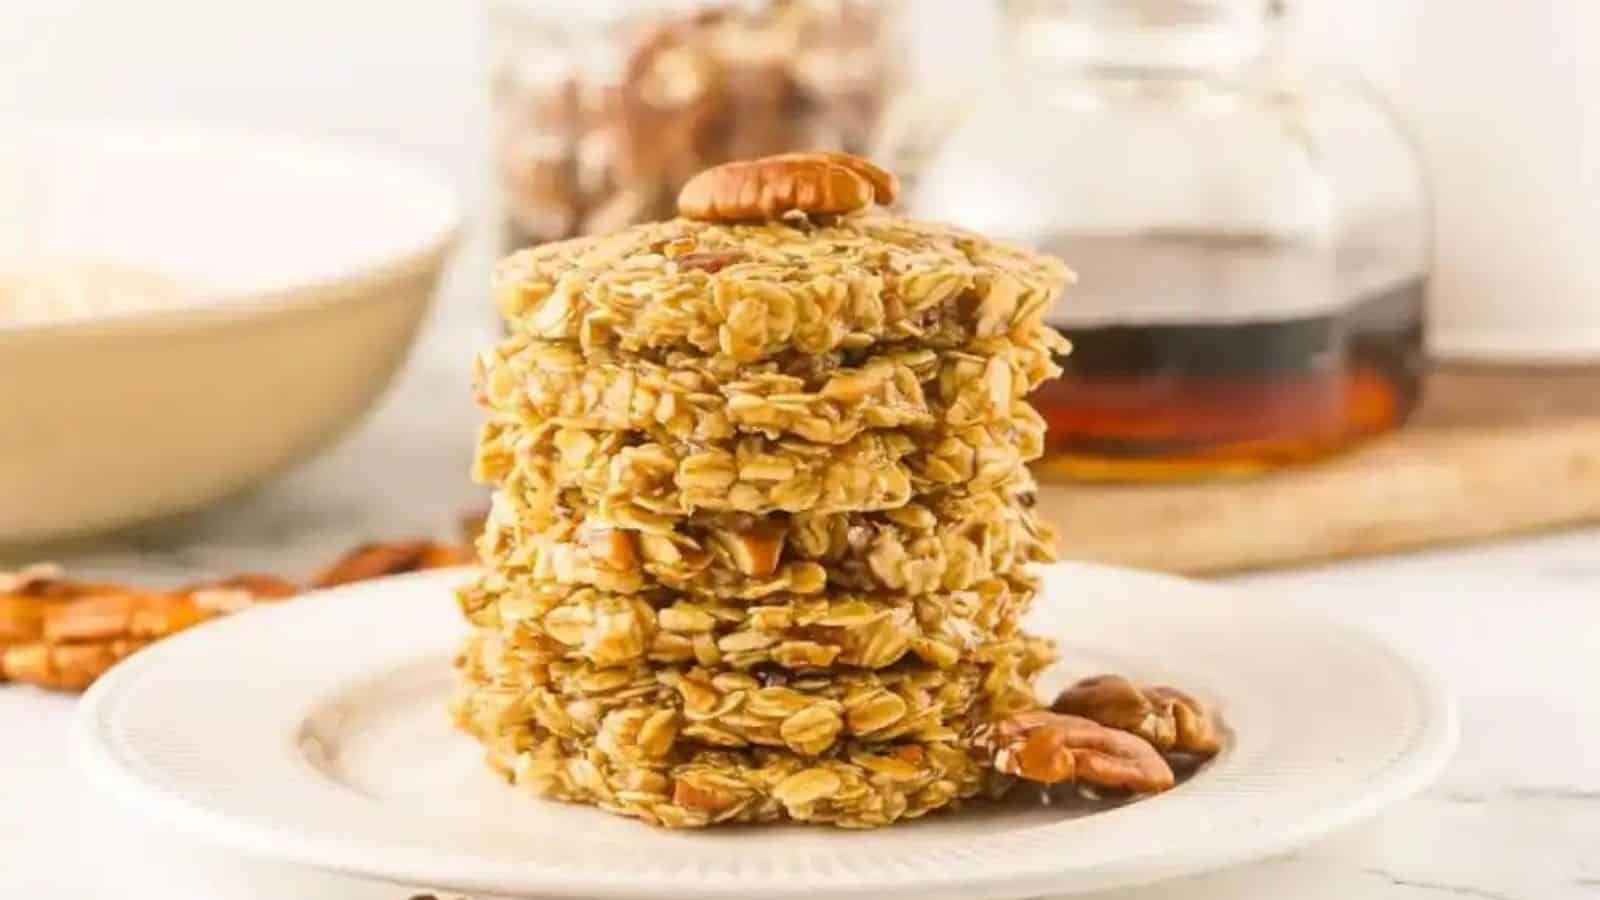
1246, 379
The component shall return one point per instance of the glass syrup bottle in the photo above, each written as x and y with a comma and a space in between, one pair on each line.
1252, 246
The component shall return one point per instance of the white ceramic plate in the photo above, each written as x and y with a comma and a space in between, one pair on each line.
314, 733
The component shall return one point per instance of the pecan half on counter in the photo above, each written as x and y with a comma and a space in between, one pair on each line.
377, 559
61, 633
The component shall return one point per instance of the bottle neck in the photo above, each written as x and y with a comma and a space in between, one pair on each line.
1145, 37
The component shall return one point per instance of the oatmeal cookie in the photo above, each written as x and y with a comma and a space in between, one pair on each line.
848, 283
856, 787
871, 631
878, 470
828, 398
948, 542
505, 697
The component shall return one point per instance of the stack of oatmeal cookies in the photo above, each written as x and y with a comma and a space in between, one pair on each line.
762, 516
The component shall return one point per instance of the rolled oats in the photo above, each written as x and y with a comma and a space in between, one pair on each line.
877, 470
750, 474
857, 786
504, 683
547, 622
943, 542
821, 399
505, 691
846, 284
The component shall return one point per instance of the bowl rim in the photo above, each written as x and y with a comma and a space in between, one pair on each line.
416, 259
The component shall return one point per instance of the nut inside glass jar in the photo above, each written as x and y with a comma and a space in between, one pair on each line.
601, 116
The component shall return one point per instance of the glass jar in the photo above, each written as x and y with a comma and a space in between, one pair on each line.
603, 108
1251, 247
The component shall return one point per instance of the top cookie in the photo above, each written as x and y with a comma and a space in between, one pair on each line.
810, 281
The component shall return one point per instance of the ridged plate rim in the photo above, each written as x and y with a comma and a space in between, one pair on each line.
225, 758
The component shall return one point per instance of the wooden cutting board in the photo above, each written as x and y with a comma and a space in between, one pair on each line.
1492, 453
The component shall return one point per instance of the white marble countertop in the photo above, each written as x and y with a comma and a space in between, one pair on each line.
1515, 627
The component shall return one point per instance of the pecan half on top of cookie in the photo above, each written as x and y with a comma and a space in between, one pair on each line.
814, 183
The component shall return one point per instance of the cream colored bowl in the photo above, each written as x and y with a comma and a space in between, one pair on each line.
311, 268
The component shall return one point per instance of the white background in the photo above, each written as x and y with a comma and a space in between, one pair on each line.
407, 77
404, 75
397, 74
